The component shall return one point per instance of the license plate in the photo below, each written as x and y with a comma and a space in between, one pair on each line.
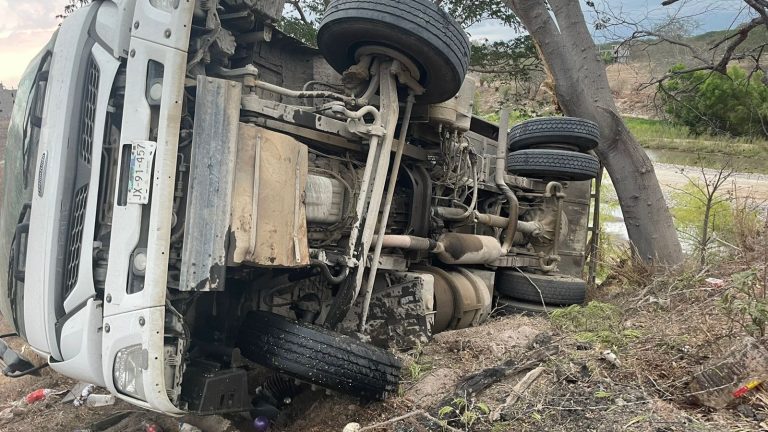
140, 179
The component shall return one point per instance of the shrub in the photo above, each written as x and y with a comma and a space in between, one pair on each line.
707, 102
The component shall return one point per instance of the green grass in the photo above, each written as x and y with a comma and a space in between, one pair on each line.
515, 117
596, 322
663, 135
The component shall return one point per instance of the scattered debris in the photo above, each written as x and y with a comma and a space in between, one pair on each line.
476, 382
715, 283
517, 390
151, 427
81, 399
715, 385
38, 396
96, 401
611, 358
746, 389
392, 421
186, 427
214, 423
76, 391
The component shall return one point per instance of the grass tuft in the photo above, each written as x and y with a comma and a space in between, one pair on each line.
596, 322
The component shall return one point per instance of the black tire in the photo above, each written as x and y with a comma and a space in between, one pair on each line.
506, 306
557, 290
553, 165
580, 133
319, 356
417, 28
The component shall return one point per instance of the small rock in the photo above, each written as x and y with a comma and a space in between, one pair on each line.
540, 340
746, 411
620, 402
352, 427
583, 346
584, 371
611, 358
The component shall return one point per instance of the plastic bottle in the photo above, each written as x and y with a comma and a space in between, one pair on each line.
95, 401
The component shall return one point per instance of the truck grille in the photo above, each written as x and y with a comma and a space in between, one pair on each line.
87, 121
74, 245
80, 197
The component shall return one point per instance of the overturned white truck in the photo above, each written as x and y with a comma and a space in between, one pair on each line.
190, 193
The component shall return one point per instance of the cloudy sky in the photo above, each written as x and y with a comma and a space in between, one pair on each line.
27, 25
25, 28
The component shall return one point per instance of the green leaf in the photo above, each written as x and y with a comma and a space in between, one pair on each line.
483, 408
444, 411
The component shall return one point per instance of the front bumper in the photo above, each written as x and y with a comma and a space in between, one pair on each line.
139, 318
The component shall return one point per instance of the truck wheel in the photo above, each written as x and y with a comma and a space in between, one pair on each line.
555, 289
319, 356
553, 164
581, 134
419, 29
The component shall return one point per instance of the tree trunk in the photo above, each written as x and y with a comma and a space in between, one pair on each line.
582, 90
704, 243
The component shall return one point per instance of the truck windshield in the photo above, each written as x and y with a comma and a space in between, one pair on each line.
19, 170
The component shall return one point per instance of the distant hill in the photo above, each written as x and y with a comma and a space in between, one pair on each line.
660, 55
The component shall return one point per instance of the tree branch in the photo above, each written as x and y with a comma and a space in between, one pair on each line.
297, 5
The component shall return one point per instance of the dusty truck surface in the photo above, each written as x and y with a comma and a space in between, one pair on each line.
195, 201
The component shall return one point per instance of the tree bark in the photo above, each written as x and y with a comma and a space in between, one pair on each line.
704, 243
582, 90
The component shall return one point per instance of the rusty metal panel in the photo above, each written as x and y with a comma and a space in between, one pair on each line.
214, 147
573, 250
269, 221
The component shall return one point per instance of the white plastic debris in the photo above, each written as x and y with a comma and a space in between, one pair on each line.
611, 358
87, 390
352, 427
714, 282
186, 427
95, 401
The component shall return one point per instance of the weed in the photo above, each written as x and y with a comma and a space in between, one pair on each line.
501, 427
419, 363
464, 413
746, 304
600, 394
596, 322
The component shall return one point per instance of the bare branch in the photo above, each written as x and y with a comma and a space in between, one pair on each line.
297, 5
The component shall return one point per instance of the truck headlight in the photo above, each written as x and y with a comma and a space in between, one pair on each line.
166, 5
128, 371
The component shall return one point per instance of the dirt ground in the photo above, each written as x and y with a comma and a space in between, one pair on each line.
577, 391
